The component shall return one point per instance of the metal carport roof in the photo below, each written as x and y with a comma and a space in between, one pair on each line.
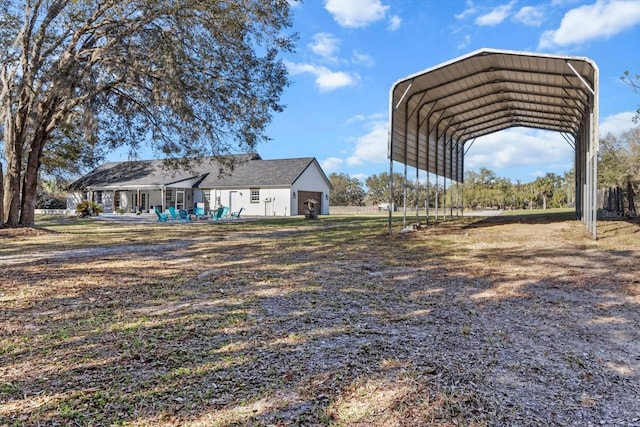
436, 112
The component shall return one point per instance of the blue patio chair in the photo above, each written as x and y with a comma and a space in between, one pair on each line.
174, 214
162, 217
199, 213
236, 214
217, 214
184, 216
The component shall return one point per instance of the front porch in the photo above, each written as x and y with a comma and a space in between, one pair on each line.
143, 200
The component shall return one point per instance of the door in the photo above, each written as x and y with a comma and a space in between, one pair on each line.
144, 202
234, 201
180, 199
303, 196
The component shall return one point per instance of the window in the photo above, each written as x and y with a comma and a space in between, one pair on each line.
255, 195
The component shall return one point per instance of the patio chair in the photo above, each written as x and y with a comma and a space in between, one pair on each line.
217, 214
236, 214
162, 217
174, 214
184, 215
199, 212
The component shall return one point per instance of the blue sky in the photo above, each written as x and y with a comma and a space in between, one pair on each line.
350, 52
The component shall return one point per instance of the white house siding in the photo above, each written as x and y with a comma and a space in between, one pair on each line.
107, 201
272, 201
311, 180
75, 197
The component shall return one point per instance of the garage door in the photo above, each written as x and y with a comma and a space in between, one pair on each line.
303, 196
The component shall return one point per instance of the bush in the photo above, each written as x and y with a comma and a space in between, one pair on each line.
50, 202
88, 208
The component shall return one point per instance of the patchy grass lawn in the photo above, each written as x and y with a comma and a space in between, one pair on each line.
519, 320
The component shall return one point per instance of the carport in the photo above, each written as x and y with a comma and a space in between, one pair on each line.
437, 114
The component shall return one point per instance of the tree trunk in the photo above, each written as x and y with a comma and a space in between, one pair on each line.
11, 196
14, 131
29, 191
632, 204
1, 197
30, 184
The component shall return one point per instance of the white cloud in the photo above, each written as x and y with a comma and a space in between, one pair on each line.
325, 45
356, 13
331, 164
330, 80
462, 44
356, 118
563, 2
519, 147
470, 10
602, 19
496, 15
363, 59
530, 16
371, 147
326, 80
394, 23
617, 123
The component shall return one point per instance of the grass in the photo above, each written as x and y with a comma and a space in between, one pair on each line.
274, 322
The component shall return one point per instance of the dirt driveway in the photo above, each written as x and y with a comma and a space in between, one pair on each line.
506, 321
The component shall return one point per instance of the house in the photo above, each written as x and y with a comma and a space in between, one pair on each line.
260, 187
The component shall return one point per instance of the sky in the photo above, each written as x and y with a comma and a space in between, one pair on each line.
350, 52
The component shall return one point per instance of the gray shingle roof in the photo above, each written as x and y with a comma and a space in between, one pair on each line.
265, 173
249, 170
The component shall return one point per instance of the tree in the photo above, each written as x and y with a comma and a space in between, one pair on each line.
378, 187
347, 191
484, 189
633, 81
612, 162
544, 186
505, 191
189, 78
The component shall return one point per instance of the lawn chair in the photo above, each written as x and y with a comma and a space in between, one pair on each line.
174, 214
199, 212
236, 214
162, 217
183, 215
217, 214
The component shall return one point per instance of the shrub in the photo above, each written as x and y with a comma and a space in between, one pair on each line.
50, 202
88, 208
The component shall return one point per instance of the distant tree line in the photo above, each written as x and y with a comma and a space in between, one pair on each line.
481, 190
618, 166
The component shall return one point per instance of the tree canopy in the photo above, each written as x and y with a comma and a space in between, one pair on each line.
347, 191
188, 78
633, 80
619, 160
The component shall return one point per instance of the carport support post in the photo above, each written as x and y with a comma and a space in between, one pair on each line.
417, 190
436, 163
404, 193
427, 199
390, 207
459, 150
451, 174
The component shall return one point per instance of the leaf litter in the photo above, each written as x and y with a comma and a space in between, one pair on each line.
496, 322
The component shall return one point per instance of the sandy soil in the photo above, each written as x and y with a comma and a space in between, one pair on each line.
499, 322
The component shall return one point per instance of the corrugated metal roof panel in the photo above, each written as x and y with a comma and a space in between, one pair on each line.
435, 112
